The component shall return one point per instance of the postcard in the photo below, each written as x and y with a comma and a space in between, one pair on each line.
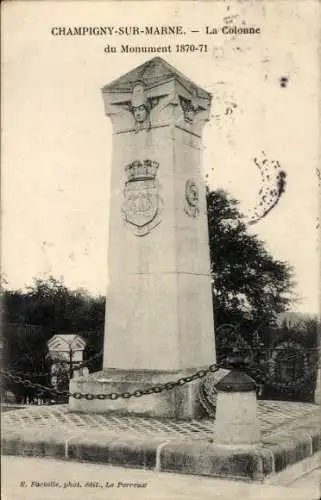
160, 258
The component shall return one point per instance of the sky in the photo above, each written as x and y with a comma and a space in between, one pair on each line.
57, 143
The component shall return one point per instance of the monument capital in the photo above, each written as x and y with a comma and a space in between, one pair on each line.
155, 95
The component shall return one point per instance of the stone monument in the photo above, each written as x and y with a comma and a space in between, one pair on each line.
159, 318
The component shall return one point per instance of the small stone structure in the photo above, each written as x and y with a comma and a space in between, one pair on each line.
67, 347
66, 352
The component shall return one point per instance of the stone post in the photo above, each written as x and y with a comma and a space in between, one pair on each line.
159, 317
236, 421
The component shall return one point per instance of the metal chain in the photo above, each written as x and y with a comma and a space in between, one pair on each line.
168, 386
85, 363
62, 361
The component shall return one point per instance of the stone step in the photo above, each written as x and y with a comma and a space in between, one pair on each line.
128, 445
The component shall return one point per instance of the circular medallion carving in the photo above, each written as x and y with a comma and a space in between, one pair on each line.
192, 198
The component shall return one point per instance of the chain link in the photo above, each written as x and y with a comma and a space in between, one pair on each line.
168, 386
59, 362
88, 361
258, 373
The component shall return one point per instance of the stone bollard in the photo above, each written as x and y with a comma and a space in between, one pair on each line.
236, 421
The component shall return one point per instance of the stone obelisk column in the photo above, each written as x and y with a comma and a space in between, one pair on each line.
159, 317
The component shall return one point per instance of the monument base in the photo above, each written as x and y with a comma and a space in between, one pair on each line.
181, 403
290, 446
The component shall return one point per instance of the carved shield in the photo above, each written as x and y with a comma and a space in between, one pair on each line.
141, 205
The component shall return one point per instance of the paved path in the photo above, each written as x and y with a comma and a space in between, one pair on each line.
290, 433
165, 486
274, 416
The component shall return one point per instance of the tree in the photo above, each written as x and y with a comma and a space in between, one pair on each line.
250, 287
32, 317
50, 304
27, 354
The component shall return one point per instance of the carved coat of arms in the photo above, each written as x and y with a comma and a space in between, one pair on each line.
142, 204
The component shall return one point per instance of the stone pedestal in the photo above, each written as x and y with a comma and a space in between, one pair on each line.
159, 315
236, 423
178, 403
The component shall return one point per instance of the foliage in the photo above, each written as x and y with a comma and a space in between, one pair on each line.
250, 290
26, 352
32, 317
250, 287
51, 304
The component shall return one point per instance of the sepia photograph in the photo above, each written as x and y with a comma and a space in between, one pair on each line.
160, 250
